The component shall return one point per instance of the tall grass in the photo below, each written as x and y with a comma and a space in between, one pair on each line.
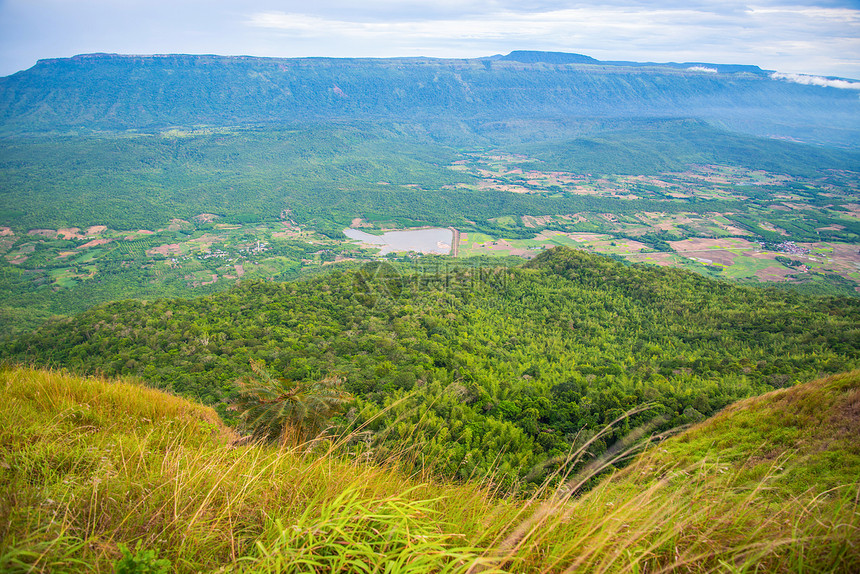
89, 464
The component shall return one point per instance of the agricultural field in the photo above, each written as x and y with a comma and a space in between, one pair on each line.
724, 222
66, 257
61, 271
780, 229
728, 258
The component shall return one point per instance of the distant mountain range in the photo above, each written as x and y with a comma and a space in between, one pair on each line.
122, 92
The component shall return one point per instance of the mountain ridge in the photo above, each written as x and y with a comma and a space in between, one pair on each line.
120, 92
534, 56
520, 56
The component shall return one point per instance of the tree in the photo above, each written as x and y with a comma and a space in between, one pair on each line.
284, 410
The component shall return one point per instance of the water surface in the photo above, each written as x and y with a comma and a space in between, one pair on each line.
433, 240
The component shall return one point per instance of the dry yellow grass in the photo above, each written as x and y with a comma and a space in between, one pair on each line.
88, 464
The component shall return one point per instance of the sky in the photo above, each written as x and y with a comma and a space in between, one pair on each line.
814, 37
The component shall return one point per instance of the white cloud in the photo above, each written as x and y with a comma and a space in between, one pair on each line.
816, 81
842, 15
567, 23
702, 69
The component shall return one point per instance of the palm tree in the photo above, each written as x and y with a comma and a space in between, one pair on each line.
284, 410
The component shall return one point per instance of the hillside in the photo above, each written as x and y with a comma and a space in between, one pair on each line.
115, 92
89, 464
460, 362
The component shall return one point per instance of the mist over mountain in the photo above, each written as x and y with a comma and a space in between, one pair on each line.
119, 92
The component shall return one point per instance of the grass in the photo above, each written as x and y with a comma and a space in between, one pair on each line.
769, 484
744, 266
88, 465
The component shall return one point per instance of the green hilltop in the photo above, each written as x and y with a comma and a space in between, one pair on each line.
478, 368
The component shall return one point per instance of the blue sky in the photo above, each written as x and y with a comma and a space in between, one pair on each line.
820, 37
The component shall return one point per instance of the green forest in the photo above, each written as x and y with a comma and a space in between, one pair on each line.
326, 174
478, 368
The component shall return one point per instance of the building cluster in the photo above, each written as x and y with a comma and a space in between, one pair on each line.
791, 248
216, 253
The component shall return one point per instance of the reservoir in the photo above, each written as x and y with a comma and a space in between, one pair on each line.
434, 240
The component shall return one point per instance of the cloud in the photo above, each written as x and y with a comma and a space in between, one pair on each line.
702, 69
569, 23
402, 10
816, 81
818, 12
775, 36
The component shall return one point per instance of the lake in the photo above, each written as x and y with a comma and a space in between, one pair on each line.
434, 240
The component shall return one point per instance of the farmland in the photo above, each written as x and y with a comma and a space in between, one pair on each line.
775, 235
725, 222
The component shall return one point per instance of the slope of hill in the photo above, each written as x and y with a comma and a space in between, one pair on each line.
521, 357
769, 484
114, 92
87, 465
811, 430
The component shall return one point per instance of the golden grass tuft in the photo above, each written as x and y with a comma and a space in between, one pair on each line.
87, 464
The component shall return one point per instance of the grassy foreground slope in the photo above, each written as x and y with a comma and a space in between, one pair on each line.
87, 464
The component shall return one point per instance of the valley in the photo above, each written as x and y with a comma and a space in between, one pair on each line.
726, 222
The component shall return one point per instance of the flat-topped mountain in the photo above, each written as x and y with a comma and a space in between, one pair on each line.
120, 92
